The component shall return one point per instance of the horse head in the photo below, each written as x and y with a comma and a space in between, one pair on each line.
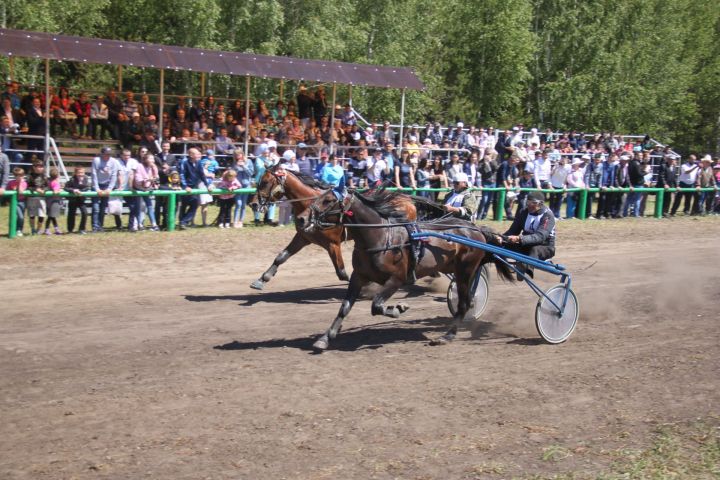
327, 211
271, 187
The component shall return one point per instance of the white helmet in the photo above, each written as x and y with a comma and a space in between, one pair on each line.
288, 155
460, 177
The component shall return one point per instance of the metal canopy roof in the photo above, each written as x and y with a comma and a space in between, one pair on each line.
20, 43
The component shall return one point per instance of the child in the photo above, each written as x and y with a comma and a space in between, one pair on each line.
19, 184
36, 206
77, 184
53, 203
227, 200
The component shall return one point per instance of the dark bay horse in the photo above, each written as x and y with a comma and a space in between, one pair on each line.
382, 253
302, 190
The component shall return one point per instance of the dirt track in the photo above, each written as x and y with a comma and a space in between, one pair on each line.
149, 357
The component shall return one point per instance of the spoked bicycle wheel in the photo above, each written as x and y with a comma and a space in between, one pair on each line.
480, 299
551, 325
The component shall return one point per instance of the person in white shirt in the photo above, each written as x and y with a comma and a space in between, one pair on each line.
688, 179
575, 179
534, 139
558, 181
377, 169
542, 170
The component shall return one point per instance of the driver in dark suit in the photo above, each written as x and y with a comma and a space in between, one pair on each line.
532, 232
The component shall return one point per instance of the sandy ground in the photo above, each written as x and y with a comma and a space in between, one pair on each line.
149, 356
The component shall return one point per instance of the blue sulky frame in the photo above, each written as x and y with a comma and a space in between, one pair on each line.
503, 254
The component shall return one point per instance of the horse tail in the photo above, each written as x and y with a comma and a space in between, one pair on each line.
503, 270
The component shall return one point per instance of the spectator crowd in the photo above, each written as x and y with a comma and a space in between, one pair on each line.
202, 147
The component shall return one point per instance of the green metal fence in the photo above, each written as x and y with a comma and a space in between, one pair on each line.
499, 212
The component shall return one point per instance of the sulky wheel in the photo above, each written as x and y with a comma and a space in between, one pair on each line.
553, 327
480, 298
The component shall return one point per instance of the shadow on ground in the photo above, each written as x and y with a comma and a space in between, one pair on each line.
316, 295
358, 338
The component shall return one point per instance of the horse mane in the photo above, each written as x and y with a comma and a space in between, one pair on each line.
306, 179
389, 205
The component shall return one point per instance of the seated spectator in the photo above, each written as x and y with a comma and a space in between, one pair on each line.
145, 108
99, 115
130, 107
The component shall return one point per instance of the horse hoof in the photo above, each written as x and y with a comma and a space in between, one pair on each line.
343, 276
257, 285
444, 340
402, 307
320, 345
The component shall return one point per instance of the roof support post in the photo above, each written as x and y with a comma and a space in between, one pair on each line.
247, 114
202, 85
332, 119
282, 90
350, 94
11, 67
161, 105
120, 75
402, 120
47, 114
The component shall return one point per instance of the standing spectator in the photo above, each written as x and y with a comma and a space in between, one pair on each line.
667, 179
305, 164
507, 177
126, 172
77, 184
558, 182
377, 169
192, 176
36, 206
706, 179
593, 179
4, 171
319, 104
36, 126
99, 126
575, 179
105, 170
357, 167
623, 181
636, 176
423, 176
145, 179
244, 173
228, 182
405, 172
54, 203
304, 106
542, 170
488, 173
607, 186
688, 179
19, 185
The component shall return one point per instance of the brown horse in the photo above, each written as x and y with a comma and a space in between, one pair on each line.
382, 253
302, 190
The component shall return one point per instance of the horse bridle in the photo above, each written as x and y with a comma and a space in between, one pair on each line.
318, 218
278, 191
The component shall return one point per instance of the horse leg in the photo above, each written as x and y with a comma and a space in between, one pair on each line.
322, 343
463, 282
335, 253
378, 304
295, 245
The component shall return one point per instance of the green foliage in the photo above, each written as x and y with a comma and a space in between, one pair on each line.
640, 66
